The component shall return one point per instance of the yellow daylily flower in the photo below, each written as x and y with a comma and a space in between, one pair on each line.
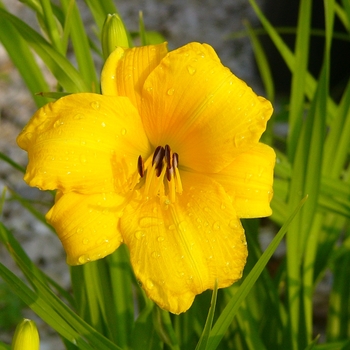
166, 160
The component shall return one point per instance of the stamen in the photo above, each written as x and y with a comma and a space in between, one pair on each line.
167, 156
169, 173
161, 174
140, 166
175, 160
158, 155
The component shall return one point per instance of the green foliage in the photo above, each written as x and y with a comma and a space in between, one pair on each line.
265, 311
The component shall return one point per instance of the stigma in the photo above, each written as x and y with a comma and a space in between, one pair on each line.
159, 174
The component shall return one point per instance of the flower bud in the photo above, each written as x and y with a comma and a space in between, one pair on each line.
113, 35
26, 336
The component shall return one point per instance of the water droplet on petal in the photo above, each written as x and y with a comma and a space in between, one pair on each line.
85, 241
170, 92
239, 139
216, 226
155, 255
172, 227
95, 105
149, 284
183, 226
160, 239
83, 159
233, 224
248, 177
58, 123
79, 116
139, 234
123, 132
103, 124
191, 70
84, 259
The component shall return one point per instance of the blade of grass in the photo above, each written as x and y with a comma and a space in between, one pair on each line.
122, 293
203, 340
310, 83
144, 335
41, 308
51, 25
100, 10
60, 67
81, 47
299, 76
24, 61
232, 307
8, 160
261, 60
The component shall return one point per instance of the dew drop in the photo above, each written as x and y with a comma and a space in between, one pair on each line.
170, 92
95, 105
216, 226
191, 70
83, 159
233, 224
139, 234
149, 284
103, 124
148, 221
155, 255
183, 226
79, 116
123, 132
84, 259
160, 238
172, 227
189, 280
248, 177
79, 230
239, 140
85, 241
58, 123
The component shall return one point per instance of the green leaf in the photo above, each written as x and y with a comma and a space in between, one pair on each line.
61, 68
203, 340
23, 59
226, 317
81, 45
144, 335
262, 63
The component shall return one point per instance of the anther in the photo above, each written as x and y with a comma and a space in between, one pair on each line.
158, 155
167, 156
169, 173
140, 166
175, 160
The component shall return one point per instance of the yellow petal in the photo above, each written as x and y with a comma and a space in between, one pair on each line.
248, 180
87, 225
178, 250
87, 143
204, 112
125, 70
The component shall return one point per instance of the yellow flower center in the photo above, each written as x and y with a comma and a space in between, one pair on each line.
159, 174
